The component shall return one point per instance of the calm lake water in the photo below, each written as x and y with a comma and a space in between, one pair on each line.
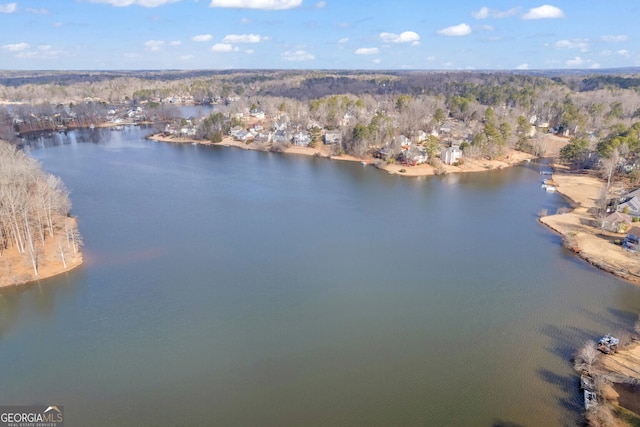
238, 288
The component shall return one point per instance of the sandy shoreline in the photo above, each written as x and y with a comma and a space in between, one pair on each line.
16, 268
580, 232
511, 157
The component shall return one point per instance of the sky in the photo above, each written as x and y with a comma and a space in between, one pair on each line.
319, 34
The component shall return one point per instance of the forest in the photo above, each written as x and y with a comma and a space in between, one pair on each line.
34, 210
486, 111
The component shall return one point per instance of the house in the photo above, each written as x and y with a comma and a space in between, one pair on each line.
445, 128
243, 135
347, 119
631, 242
282, 123
188, 131
302, 139
281, 136
404, 141
617, 222
450, 155
630, 203
263, 137
236, 131
332, 137
421, 136
414, 155
257, 114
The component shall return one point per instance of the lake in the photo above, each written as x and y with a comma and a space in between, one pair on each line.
240, 288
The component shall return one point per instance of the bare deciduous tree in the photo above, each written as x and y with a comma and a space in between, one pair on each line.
586, 356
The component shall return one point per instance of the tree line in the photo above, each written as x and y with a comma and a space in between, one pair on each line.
34, 209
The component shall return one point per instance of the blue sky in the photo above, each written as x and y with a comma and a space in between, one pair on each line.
318, 34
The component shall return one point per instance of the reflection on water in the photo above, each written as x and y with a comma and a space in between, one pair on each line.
231, 287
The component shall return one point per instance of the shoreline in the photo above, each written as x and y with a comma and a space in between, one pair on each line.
579, 234
511, 158
16, 269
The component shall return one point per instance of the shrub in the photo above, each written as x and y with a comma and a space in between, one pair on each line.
402, 170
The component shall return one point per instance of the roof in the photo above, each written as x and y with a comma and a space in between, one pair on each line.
633, 204
635, 231
618, 217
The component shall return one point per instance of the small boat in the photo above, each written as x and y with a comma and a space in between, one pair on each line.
586, 382
549, 188
608, 344
590, 400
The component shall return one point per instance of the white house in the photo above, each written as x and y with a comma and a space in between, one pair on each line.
450, 155
301, 139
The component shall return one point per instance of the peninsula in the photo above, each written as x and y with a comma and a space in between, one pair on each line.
38, 237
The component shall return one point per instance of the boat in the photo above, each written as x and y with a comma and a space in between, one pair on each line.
590, 400
586, 382
548, 187
608, 344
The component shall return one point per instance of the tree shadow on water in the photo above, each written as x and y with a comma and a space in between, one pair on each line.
570, 398
565, 341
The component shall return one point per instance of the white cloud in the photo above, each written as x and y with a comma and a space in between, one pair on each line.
244, 38
367, 51
594, 65
297, 56
523, 67
545, 11
484, 13
222, 47
581, 44
175, 43
623, 52
377, 61
126, 3
185, 57
257, 4
154, 45
456, 30
16, 47
8, 8
575, 62
430, 58
42, 52
321, 4
614, 39
202, 38
343, 40
405, 37
249, 51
